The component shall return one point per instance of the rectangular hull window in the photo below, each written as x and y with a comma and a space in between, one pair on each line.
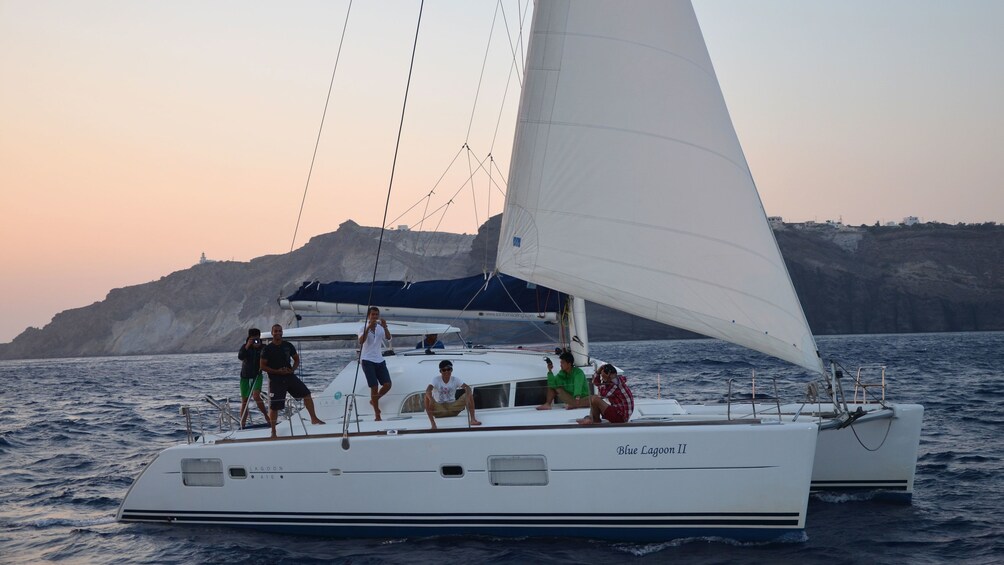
202, 472
517, 470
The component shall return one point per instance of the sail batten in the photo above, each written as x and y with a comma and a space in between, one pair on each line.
628, 186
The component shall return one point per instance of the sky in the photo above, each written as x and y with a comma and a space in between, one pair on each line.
135, 136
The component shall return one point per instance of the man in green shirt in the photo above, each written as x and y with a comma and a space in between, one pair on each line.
569, 385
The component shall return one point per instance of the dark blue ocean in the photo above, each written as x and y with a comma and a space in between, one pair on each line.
75, 432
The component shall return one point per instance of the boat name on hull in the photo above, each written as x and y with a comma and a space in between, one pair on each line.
652, 451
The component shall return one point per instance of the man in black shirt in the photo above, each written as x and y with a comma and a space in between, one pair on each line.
250, 356
280, 360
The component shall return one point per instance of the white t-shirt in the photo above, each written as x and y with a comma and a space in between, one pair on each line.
373, 344
445, 392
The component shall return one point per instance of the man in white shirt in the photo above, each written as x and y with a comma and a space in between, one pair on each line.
441, 396
371, 338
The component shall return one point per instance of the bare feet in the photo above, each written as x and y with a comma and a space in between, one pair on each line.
585, 421
475, 423
376, 410
544, 407
273, 436
316, 421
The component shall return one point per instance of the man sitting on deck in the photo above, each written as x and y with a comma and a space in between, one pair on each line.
569, 385
615, 402
441, 396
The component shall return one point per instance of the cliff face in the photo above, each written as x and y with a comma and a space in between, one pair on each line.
209, 307
924, 278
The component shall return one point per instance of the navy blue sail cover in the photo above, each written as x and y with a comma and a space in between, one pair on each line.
455, 294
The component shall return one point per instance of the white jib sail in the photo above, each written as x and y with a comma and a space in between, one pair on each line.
628, 186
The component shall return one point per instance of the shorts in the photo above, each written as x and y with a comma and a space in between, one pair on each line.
376, 373
246, 386
449, 409
279, 385
614, 415
566, 397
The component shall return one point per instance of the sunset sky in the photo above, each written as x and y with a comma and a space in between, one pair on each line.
135, 135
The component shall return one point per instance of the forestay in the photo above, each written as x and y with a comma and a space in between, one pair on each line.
628, 185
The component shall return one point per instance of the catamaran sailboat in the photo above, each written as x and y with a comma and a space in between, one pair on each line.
617, 97
629, 188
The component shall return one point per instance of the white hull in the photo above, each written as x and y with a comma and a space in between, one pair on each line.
654, 481
876, 453
842, 463
744, 478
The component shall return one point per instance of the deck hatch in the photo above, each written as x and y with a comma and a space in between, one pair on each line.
517, 470
202, 472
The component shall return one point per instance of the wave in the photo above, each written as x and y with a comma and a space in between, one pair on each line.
43, 523
845, 497
641, 550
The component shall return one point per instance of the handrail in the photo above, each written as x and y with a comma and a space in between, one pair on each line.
863, 387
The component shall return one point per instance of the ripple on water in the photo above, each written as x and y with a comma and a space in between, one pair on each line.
69, 460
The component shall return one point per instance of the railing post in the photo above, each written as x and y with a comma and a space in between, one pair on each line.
187, 413
728, 399
777, 397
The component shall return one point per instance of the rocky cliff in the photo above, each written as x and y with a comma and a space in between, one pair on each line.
921, 278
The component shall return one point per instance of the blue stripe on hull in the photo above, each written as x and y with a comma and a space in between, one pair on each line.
624, 527
884, 490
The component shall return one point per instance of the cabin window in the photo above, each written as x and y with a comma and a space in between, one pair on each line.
413, 403
485, 396
517, 470
451, 471
491, 396
202, 472
238, 473
531, 393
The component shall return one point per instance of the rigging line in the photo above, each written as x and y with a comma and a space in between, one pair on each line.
881, 443
502, 179
484, 287
441, 206
386, 207
480, 167
428, 199
505, 94
484, 63
474, 192
397, 147
320, 128
514, 303
522, 17
441, 177
488, 212
512, 50
442, 216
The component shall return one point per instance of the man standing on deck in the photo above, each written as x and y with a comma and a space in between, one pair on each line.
251, 377
279, 359
371, 337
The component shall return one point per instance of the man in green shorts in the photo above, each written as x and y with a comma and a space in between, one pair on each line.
251, 378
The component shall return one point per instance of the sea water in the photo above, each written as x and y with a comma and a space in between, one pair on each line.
74, 433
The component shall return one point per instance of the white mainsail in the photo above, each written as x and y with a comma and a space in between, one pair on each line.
629, 188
